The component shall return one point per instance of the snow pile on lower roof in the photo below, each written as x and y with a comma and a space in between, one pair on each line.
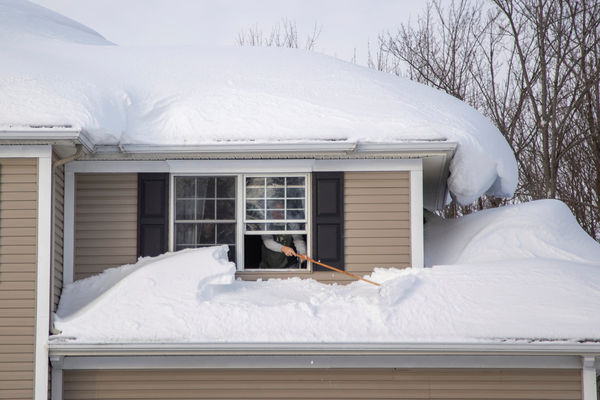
197, 95
541, 288
542, 229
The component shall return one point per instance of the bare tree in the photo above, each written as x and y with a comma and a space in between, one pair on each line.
284, 34
531, 66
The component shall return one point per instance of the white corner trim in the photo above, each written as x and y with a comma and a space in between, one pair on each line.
44, 257
416, 218
69, 227
56, 391
589, 387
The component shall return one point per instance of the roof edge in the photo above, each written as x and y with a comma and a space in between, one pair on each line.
292, 146
47, 134
439, 348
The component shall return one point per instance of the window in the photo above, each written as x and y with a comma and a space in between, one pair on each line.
275, 204
205, 212
237, 210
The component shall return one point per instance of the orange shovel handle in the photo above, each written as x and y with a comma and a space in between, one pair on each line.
303, 257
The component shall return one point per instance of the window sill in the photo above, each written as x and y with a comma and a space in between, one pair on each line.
321, 276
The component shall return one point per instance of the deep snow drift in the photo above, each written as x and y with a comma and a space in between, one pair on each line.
198, 95
22, 21
521, 272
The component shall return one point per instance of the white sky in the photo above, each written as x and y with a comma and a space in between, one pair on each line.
346, 24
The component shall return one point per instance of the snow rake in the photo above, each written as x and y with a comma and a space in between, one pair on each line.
306, 258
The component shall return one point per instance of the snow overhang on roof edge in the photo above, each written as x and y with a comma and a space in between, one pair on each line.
359, 349
29, 134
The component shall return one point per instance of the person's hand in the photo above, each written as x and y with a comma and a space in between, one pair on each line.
288, 251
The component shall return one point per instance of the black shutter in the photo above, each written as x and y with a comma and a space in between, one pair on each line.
328, 219
153, 215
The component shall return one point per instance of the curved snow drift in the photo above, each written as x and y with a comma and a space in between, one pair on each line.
542, 229
499, 290
197, 95
21, 20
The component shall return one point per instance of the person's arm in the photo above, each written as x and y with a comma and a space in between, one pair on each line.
270, 243
299, 244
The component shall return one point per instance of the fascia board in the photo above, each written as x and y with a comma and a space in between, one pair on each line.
315, 147
546, 348
241, 147
49, 135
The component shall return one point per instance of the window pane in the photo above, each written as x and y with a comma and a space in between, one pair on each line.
181, 247
184, 234
276, 227
226, 187
295, 214
275, 181
255, 193
225, 209
185, 210
275, 193
255, 214
295, 181
275, 204
206, 234
255, 204
184, 187
255, 181
296, 227
225, 233
295, 203
256, 227
205, 209
205, 187
295, 192
275, 214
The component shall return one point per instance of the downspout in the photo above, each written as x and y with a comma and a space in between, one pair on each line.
62, 161
56, 164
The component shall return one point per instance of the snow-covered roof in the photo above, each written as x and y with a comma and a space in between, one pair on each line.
525, 272
56, 71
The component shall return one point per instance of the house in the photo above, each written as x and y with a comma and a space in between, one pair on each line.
71, 209
93, 177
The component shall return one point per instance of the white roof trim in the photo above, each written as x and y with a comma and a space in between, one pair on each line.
541, 348
48, 134
273, 147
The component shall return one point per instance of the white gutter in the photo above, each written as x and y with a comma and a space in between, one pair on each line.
274, 147
48, 134
246, 147
483, 348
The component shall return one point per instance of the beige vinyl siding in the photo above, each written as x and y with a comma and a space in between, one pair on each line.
58, 234
376, 220
105, 222
18, 258
324, 384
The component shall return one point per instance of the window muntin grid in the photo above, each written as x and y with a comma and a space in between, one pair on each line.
205, 212
275, 204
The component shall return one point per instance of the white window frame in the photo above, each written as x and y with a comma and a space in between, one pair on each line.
173, 202
240, 215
